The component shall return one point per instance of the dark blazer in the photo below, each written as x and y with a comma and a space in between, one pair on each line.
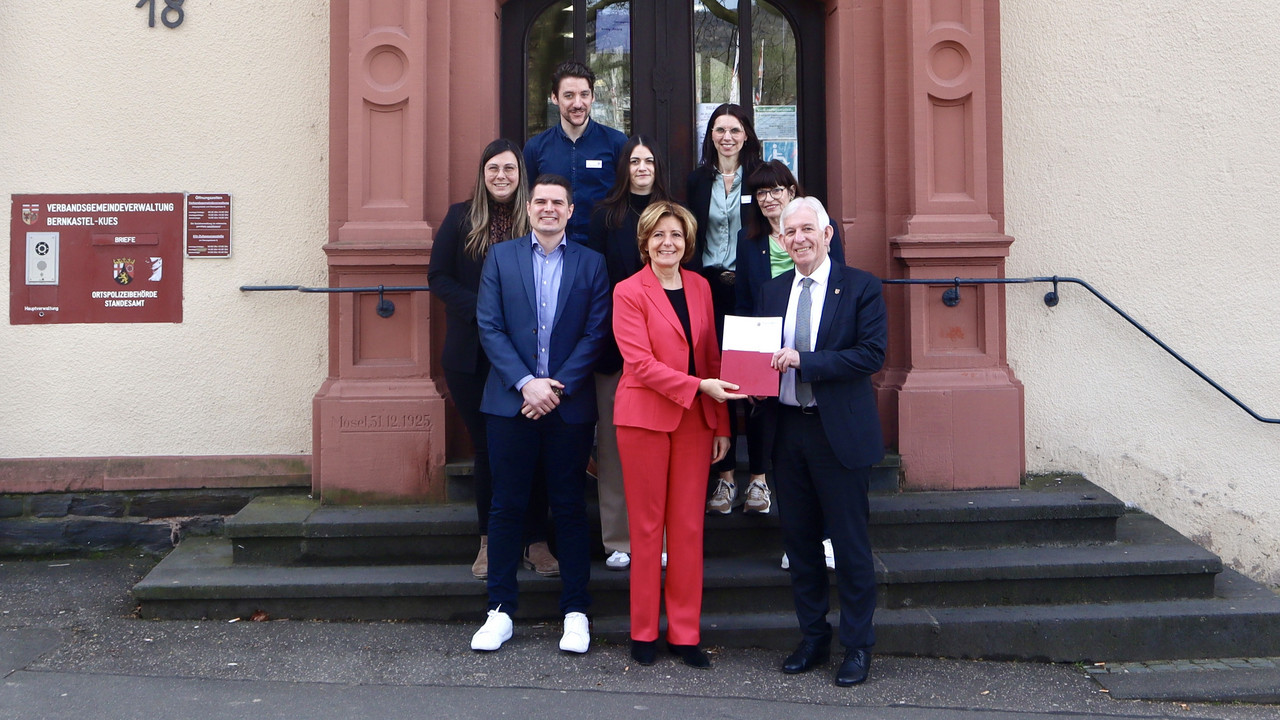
698, 193
656, 388
852, 337
621, 252
455, 278
508, 320
753, 267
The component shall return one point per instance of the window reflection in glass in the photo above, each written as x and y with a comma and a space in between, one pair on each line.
773, 85
715, 52
609, 57
770, 64
550, 43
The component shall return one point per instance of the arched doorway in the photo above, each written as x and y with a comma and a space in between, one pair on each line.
663, 65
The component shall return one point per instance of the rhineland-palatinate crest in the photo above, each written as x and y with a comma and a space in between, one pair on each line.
123, 270
30, 213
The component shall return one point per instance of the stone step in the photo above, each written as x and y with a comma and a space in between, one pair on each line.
1150, 563
293, 530
746, 604
1240, 619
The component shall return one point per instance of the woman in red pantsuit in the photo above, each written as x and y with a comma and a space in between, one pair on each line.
672, 424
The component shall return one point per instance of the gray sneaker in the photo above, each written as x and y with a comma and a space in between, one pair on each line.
758, 498
721, 502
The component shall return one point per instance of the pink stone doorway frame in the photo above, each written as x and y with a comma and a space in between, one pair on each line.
915, 177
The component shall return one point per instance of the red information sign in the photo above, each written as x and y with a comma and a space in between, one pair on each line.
208, 225
96, 258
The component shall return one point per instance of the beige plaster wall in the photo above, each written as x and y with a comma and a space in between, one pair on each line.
234, 100
1141, 156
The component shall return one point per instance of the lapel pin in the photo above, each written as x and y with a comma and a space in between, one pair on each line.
837, 291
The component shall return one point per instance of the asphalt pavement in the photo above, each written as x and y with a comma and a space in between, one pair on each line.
71, 647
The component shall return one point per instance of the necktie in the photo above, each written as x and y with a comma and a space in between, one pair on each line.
804, 307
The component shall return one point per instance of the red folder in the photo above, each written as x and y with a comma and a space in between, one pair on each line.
750, 371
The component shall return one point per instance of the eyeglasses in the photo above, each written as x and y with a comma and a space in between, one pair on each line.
495, 169
777, 193
732, 132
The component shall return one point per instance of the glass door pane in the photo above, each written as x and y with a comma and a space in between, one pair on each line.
715, 59
550, 43
609, 57
606, 48
774, 83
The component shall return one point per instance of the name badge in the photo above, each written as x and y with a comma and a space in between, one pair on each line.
746, 200
595, 164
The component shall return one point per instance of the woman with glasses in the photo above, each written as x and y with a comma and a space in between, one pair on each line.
760, 253
496, 212
730, 151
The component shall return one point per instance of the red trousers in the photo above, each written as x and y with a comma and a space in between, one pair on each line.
665, 477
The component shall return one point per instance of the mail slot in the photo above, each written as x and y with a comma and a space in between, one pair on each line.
144, 239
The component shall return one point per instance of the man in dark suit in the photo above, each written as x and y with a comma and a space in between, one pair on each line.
541, 310
828, 436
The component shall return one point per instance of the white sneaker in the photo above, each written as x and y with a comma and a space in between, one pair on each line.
618, 561
758, 498
721, 501
495, 631
664, 561
577, 633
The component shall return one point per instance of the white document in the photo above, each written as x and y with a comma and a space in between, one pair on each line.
752, 334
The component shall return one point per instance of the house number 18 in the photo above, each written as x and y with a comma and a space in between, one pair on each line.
173, 7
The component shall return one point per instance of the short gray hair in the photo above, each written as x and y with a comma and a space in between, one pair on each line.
807, 201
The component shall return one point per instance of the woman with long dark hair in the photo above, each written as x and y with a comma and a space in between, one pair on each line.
495, 213
730, 151
640, 180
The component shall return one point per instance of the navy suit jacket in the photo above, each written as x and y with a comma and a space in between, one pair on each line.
850, 347
506, 313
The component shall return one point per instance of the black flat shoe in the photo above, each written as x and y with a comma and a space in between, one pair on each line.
691, 655
644, 652
854, 669
808, 654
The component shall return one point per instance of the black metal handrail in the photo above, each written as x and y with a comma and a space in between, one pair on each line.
385, 308
951, 297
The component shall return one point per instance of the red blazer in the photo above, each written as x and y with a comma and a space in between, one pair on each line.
655, 389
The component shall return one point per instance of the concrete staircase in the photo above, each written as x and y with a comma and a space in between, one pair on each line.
1057, 570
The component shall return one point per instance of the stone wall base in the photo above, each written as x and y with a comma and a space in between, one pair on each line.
93, 522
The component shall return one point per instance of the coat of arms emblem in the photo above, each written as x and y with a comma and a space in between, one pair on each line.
122, 270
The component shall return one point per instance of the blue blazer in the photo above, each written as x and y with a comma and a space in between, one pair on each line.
850, 347
506, 313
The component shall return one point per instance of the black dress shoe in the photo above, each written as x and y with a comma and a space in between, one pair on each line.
808, 654
854, 669
692, 655
644, 652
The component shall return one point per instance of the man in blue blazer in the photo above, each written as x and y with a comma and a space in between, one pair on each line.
828, 437
541, 310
